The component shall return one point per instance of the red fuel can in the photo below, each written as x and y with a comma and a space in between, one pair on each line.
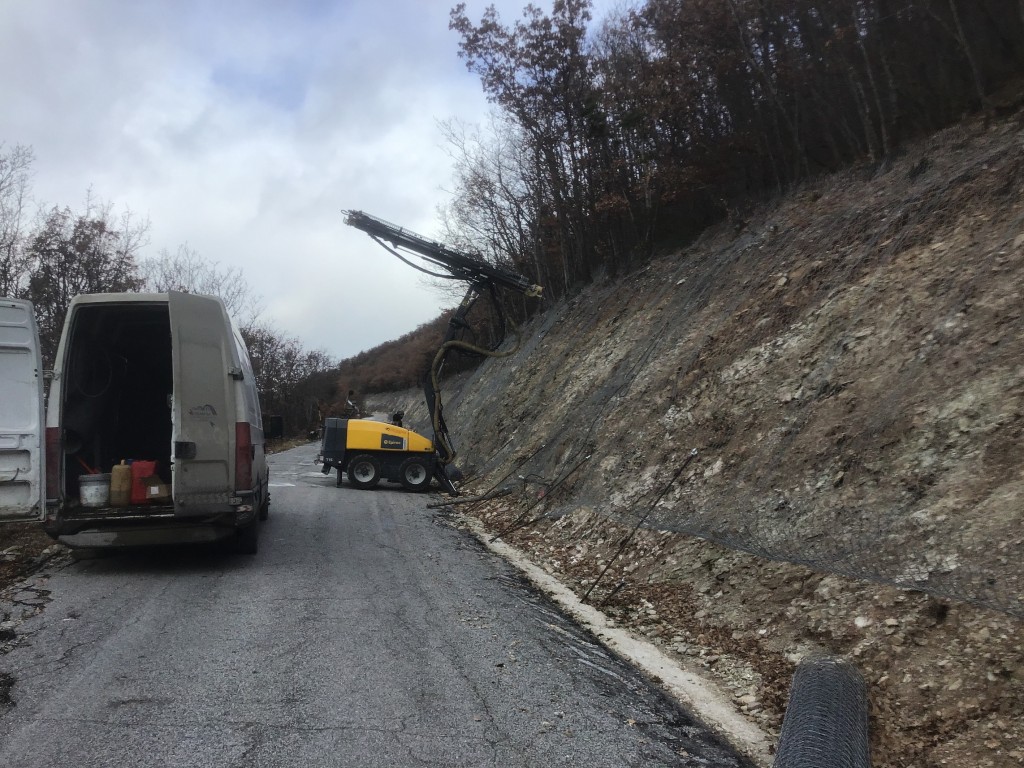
140, 471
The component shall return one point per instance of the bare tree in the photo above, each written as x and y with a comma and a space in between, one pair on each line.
15, 175
537, 71
676, 112
968, 51
289, 376
70, 253
282, 366
186, 271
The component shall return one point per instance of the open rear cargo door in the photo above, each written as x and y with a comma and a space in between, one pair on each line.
22, 470
204, 407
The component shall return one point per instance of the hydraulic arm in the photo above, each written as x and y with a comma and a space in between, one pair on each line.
485, 280
458, 265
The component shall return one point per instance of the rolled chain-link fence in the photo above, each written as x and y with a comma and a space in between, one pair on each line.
826, 722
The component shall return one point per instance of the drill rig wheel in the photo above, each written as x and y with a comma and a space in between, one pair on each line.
363, 471
415, 474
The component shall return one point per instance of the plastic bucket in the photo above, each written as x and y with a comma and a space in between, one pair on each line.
94, 490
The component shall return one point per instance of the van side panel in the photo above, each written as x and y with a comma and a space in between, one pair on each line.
249, 413
204, 363
21, 414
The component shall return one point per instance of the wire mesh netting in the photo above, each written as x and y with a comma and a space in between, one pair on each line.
859, 413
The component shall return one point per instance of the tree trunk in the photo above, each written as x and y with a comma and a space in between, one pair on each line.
979, 86
882, 120
769, 86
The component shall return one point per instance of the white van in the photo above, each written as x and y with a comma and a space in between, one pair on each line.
22, 471
162, 380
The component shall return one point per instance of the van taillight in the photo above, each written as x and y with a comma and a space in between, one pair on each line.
243, 456
53, 462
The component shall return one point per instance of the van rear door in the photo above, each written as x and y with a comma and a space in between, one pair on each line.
22, 471
204, 362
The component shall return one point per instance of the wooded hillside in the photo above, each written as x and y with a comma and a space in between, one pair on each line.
673, 115
616, 137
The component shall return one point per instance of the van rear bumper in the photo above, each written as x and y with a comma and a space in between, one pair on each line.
146, 536
112, 527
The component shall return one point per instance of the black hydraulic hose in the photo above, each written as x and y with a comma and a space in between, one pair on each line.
690, 457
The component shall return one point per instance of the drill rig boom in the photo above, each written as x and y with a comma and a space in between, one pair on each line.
458, 264
483, 278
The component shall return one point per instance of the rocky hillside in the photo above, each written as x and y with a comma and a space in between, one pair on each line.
847, 364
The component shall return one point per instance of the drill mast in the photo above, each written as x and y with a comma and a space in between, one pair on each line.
483, 278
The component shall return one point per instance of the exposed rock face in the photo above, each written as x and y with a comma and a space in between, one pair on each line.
850, 369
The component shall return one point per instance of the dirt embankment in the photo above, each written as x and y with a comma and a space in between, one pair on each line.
848, 363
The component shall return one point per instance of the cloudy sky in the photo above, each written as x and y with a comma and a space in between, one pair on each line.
243, 127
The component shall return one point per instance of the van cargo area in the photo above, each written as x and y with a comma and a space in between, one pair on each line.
117, 389
162, 382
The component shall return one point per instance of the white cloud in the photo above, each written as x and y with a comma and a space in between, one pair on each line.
243, 128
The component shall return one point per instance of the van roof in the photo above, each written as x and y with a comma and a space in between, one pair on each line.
130, 298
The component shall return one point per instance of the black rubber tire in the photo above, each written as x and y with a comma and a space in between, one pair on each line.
363, 471
415, 473
247, 538
89, 553
264, 512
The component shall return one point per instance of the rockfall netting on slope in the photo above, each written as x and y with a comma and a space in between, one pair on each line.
848, 367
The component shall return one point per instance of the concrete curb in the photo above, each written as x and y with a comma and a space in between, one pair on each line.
694, 692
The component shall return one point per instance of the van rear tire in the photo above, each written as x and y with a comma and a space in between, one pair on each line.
247, 538
90, 553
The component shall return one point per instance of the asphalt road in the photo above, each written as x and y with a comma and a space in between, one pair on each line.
368, 631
